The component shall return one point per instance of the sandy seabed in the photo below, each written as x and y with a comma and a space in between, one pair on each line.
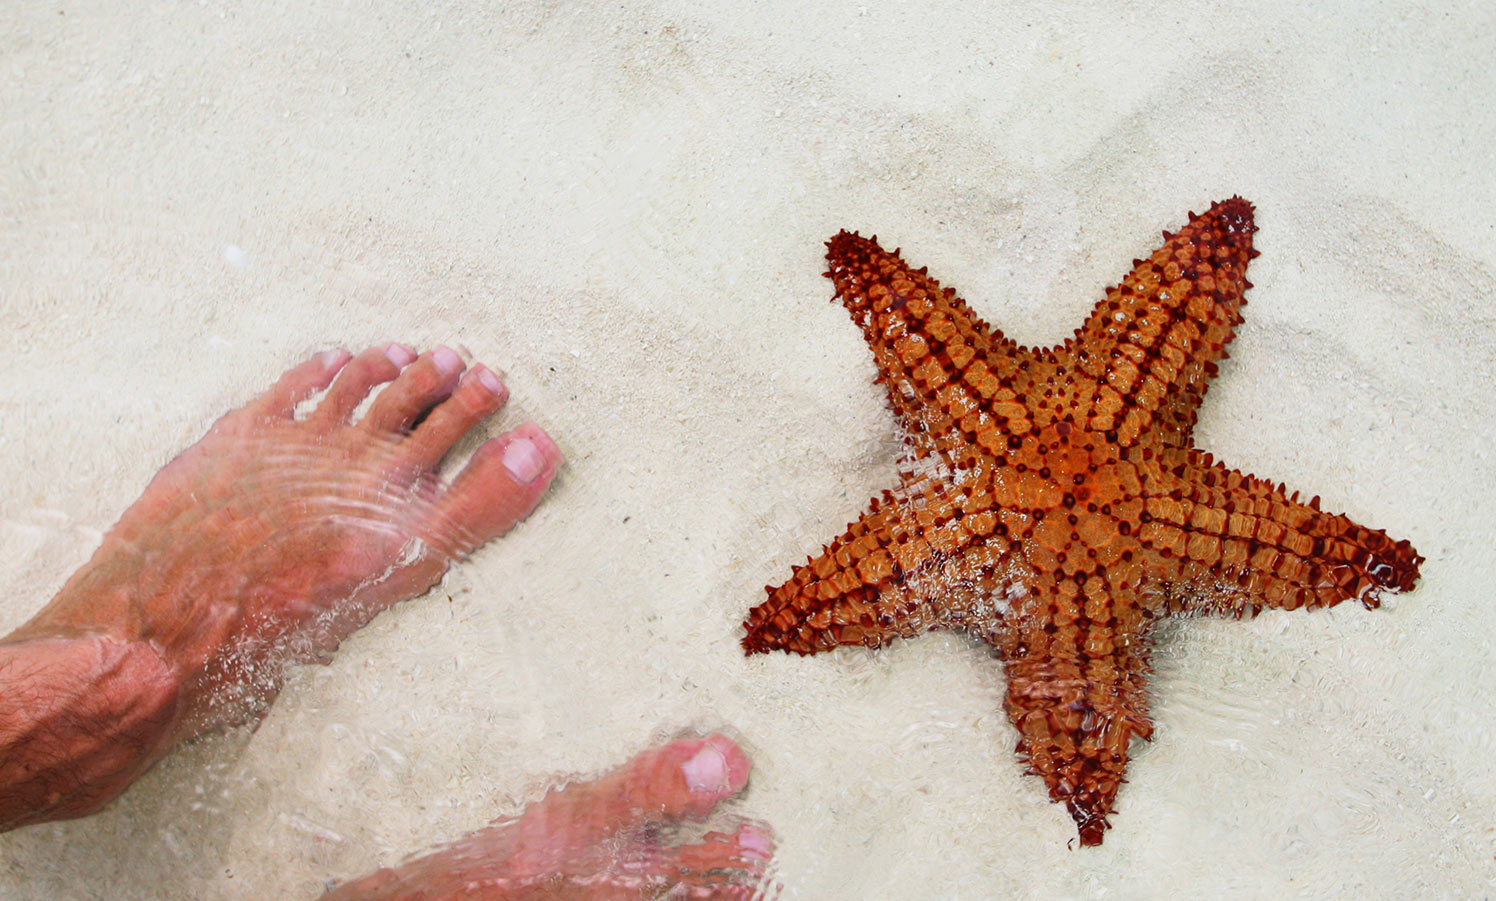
623, 208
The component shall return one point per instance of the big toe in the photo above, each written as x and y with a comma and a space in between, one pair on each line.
686, 777
500, 485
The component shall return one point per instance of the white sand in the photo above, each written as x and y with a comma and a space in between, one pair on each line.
624, 210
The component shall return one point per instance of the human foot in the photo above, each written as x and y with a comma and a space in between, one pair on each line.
602, 839
278, 533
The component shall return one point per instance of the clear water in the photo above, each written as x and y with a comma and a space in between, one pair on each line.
624, 210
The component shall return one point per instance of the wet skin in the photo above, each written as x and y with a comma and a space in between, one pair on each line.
600, 840
272, 538
275, 537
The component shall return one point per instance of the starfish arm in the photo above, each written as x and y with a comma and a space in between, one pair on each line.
1077, 692
1152, 346
919, 558
941, 364
1233, 543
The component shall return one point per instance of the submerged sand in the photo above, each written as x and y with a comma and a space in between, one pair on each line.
624, 209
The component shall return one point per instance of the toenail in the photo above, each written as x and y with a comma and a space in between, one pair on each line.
330, 358
400, 355
706, 771
524, 460
489, 380
754, 840
446, 360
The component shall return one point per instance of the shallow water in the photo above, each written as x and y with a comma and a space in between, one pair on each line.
624, 210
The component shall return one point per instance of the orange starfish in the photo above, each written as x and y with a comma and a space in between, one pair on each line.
1057, 509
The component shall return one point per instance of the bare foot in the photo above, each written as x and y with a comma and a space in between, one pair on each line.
601, 839
275, 535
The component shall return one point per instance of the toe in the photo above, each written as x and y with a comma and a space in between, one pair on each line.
300, 382
501, 484
727, 861
478, 395
372, 367
688, 777
715, 770
422, 384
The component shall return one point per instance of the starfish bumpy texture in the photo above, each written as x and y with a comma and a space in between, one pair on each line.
1056, 508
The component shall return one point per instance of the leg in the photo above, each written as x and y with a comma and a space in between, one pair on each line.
272, 536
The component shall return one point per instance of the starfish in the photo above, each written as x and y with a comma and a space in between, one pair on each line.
1053, 505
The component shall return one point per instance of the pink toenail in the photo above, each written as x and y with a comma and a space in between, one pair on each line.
489, 380
523, 460
753, 840
400, 355
446, 360
330, 358
706, 771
